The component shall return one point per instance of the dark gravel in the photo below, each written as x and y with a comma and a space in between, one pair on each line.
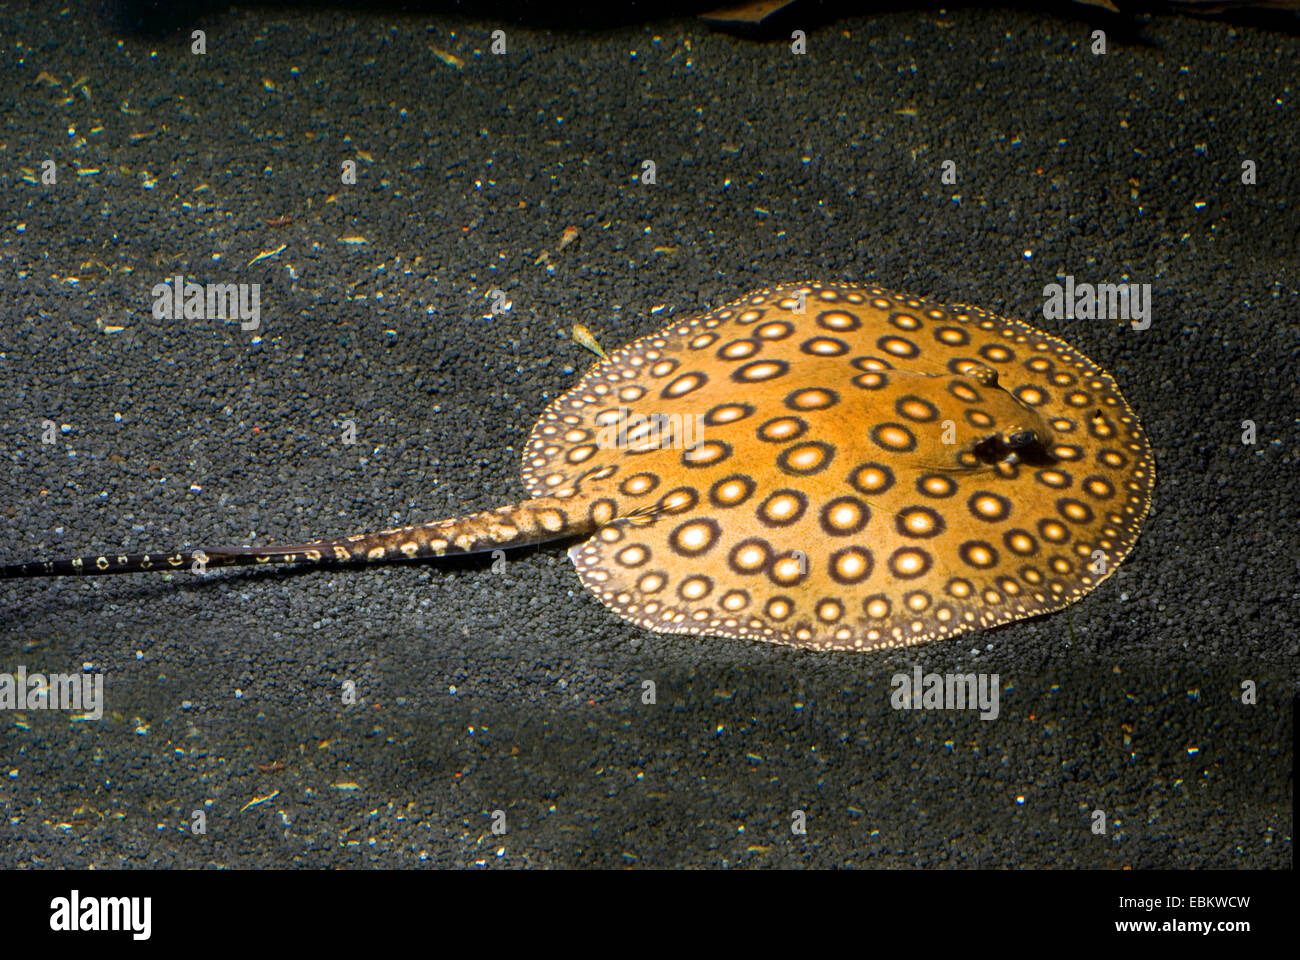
515, 690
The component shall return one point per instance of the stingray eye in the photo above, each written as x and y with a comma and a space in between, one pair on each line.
981, 373
1021, 439
990, 449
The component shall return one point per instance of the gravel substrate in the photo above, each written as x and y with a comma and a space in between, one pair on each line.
481, 690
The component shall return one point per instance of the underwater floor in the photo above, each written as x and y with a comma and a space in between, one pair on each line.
483, 692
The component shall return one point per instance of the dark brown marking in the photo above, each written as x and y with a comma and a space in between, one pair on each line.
782, 429
871, 478
851, 565
791, 503
751, 556
920, 523
978, 553
811, 398
805, 459
758, 371
732, 491
695, 537
990, 507
844, 516
908, 563
893, 437
916, 408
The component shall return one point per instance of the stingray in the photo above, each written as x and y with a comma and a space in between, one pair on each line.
820, 465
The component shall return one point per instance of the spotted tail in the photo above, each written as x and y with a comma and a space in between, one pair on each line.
534, 521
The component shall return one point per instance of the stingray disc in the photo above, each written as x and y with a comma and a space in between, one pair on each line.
844, 468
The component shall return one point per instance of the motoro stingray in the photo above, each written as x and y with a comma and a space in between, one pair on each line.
816, 464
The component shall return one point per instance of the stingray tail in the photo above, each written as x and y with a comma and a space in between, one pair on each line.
534, 521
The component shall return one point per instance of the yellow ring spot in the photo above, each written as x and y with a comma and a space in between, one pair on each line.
633, 556
651, 583
694, 588
735, 600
